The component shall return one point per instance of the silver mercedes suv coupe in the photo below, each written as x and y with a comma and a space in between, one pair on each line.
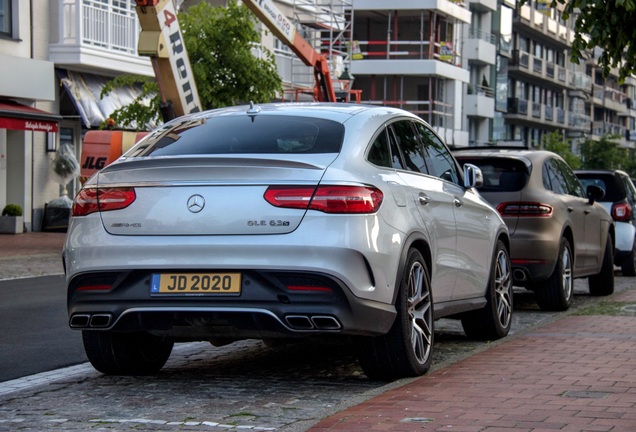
285, 221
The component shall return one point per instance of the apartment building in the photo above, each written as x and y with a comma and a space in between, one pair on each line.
29, 122
406, 54
56, 56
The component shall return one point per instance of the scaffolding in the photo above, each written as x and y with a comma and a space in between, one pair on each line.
325, 25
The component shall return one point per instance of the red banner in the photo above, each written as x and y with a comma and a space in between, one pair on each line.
32, 125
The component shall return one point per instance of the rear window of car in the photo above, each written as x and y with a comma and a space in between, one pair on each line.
614, 190
243, 135
500, 174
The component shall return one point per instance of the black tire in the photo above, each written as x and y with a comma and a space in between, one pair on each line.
628, 266
407, 349
493, 321
556, 293
126, 353
602, 284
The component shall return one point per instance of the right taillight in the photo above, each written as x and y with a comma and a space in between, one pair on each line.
524, 209
91, 200
339, 199
621, 212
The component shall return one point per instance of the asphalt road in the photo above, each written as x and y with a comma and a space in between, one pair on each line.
34, 332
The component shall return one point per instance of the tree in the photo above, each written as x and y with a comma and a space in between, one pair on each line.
603, 154
219, 42
555, 143
608, 25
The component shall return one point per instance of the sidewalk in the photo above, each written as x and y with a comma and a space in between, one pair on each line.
577, 373
31, 254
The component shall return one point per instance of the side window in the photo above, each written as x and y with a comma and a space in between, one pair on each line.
631, 191
396, 158
552, 178
412, 151
6, 18
439, 158
379, 153
573, 185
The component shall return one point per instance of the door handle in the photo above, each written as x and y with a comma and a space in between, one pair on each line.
424, 199
570, 209
458, 202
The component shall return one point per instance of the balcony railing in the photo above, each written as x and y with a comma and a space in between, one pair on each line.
480, 34
402, 50
100, 23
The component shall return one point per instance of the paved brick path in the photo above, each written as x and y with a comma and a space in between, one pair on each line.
576, 374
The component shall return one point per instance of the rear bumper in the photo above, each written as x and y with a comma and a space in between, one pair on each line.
264, 309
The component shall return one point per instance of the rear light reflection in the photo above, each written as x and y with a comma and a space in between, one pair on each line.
91, 200
524, 209
327, 199
94, 288
621, 212
308, 288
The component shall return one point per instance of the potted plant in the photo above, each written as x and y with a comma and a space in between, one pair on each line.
11, 221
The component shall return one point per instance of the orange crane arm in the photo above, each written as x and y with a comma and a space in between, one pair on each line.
284, 30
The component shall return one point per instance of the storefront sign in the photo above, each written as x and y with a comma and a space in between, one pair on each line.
31, 125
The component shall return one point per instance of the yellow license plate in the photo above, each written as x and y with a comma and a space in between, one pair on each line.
196, 283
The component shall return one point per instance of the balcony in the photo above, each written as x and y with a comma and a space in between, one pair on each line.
480, 103
480, 47
528, 66
541, 26
539, 114
610, 98
97, 36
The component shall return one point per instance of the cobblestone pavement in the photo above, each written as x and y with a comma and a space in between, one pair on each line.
242, 386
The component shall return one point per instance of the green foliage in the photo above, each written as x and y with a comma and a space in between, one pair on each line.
143, 110
608, 25
12, 210
554, 142
219, 42
603, 154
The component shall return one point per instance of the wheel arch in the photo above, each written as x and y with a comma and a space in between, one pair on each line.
569, 235
419, 242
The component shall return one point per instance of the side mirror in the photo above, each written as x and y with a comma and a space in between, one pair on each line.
473, 177
595, 193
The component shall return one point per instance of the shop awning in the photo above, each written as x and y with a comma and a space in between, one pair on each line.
85, 89
17, 116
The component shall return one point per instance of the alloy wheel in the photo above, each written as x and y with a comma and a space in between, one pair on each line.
503, 288
566, 266
420, 312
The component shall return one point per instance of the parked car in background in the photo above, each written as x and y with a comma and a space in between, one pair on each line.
285, 221
558, 230
620, 202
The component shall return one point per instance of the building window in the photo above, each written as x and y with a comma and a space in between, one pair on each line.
5, 18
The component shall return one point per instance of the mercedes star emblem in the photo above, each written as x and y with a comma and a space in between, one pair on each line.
196, 203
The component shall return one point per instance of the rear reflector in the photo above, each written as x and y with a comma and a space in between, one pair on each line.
308, 288
524, 209
91, 200
94, 288
621, 212
327, 199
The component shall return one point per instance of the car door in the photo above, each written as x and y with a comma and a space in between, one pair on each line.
472, 218
434, 208
582, 217
594, 243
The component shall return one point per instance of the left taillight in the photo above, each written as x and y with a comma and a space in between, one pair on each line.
339, 199
91, 200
